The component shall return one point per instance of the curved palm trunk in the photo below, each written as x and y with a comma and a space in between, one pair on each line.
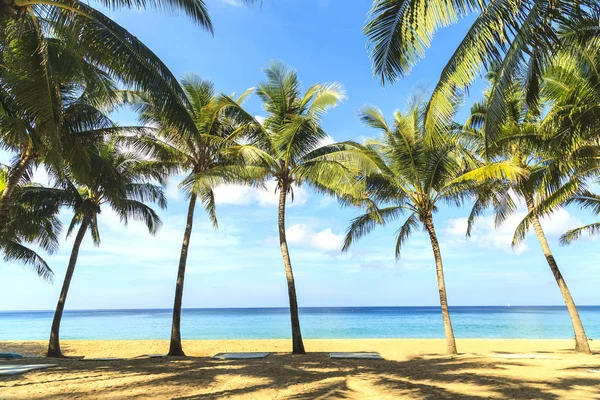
581, 342
297, 344
15, 176
175, 348
450, 342
54, 343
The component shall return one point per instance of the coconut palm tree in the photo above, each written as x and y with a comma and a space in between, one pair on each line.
287, 147
32, 222
120, 181
48, 117
530, 143
106, 44
95, 37
89, 38
415, 176
517, 35
200, 151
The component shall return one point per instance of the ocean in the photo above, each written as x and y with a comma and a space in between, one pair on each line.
537, 322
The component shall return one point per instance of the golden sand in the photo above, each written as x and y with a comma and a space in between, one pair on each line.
412, 369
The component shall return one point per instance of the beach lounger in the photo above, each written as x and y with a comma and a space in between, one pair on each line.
239, 356
151, 356
356, 356
102, 359
17, 369
524, 356
10, 356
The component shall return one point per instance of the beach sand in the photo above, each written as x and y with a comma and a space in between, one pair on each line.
412, 369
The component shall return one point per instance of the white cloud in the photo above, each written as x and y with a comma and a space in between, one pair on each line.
324, 240
235, 3
265, 197
162, 250
41, 176
327, 140
486, 235
172, 190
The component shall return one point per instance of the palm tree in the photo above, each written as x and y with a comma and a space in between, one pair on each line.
572, 85
97, 38
50, 117
32, 222
529, 143
286, 147
120, 181
414, 176
200, 151
89, 38
517, 35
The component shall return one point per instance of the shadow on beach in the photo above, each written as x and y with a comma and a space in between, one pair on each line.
313, 376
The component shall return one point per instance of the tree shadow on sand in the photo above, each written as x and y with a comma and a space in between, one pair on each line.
312, 376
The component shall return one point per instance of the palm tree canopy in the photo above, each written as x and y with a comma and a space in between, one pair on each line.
557, 159
91, 36
121, 181
288, 145
53, 114
201, 150
415, 175
521, 37
34, 221
586, 200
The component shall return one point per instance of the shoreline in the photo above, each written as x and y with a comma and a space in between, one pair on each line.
393, 348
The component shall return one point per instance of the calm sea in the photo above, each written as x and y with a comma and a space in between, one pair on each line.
273, 323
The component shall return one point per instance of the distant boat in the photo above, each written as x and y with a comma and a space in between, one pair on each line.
508, 305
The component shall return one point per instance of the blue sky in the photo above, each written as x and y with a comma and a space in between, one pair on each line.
240, 265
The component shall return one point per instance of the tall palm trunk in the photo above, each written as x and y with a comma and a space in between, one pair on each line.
450, 342
297, 344
581, 342
54, 343
175, 348
15, 176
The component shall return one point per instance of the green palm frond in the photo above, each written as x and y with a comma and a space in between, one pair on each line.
17, 252
364, 224
399, 31
208, 200
320, 98
128, 209
411, 223
373, 117
574, 234
194, 9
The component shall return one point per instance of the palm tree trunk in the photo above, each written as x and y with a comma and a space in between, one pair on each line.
175, 348
450, 342
581, 342
297, 344
54, 343
15, 176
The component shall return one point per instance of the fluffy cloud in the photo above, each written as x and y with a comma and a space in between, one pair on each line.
324, 240
235, 3
486, 235
267, 197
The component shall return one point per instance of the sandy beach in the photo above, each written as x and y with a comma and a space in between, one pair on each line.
412, 369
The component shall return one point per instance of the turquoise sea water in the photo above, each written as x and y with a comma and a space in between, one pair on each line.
273, 323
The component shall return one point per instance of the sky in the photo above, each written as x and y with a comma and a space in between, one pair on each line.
240, 264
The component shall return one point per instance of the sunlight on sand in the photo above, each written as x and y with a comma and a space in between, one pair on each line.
411, 369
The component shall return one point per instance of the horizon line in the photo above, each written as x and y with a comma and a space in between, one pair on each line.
305, 307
